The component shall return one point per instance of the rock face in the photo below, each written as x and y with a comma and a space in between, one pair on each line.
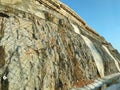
44, 45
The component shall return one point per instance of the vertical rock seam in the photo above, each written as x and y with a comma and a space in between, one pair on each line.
4, 84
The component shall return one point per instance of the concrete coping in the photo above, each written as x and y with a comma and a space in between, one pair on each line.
100, 82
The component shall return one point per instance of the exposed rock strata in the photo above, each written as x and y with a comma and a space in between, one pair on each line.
39, 49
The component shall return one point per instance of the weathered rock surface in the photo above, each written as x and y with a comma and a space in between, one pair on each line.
45, 46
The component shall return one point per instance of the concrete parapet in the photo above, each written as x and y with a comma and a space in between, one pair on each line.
98, 83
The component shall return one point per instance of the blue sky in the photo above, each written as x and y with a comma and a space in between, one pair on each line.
102, 15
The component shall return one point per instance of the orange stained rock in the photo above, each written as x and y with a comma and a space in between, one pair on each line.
30, 51
82, 83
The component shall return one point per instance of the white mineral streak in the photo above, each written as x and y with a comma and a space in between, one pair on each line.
116, 63
96, 55
76, 29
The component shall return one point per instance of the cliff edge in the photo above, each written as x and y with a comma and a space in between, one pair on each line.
44, 45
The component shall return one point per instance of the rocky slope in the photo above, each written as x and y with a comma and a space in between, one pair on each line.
45, 46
